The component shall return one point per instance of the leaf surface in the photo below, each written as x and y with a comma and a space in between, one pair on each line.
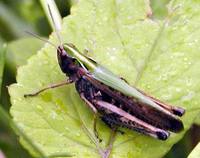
195, 152
160, 57
20, 50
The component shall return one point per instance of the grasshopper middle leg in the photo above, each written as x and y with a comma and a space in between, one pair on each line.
94, 110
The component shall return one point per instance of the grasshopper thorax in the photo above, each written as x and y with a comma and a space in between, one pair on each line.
69, 65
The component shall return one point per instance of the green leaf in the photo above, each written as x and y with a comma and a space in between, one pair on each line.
20, 50
35, 18
162, 58
12, 26
195, 152
2, 62
17, 53
197, 120
6, 119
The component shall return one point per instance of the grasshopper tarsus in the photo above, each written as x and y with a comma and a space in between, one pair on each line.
99, 139
120, 131
97, 135
30, 95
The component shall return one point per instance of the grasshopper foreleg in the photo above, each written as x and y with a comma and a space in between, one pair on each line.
48, 87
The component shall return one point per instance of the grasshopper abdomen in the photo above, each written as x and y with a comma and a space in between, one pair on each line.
114, 113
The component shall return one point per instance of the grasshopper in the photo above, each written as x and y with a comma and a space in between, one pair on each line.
112, 99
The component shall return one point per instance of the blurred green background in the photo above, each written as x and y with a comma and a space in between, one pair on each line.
18, 16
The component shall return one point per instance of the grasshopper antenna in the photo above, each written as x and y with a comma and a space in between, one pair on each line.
55, 27
40, 38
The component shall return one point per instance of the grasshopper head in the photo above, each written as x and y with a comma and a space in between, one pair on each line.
68, 64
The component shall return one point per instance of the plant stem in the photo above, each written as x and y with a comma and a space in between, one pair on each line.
55, 20
2, 63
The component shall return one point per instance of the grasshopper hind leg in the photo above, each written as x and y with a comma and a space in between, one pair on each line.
108, 119
120, 118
